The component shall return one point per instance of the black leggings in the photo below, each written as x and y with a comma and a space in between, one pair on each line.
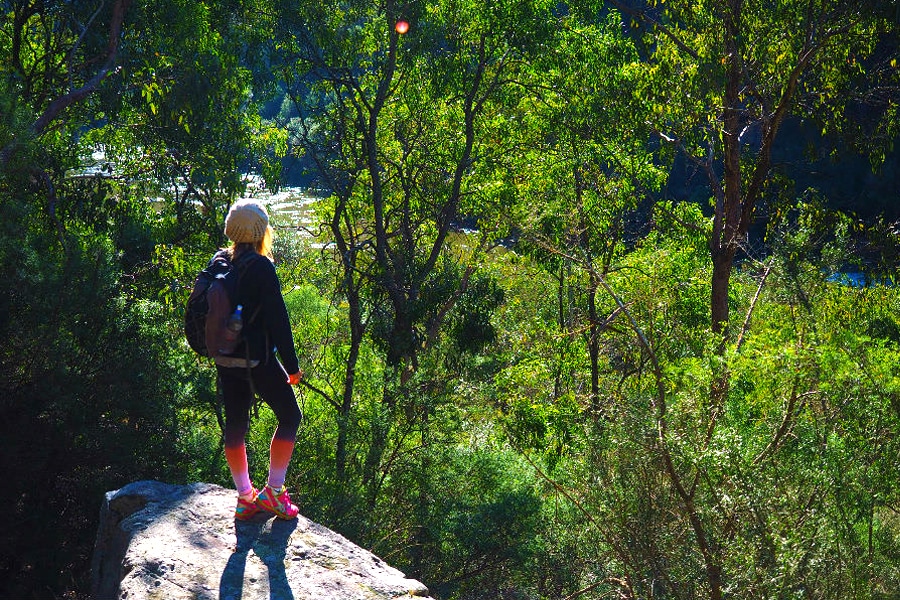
270, 382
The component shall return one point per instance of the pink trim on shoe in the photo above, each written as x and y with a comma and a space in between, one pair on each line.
277, 502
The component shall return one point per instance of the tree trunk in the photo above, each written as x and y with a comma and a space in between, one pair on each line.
727, 223
593, 333
723, 264
381, 418
421, 537
594, 348
343, 419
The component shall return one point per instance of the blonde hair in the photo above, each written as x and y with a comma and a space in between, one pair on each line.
263, 246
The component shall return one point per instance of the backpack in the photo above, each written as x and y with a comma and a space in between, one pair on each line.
210, 305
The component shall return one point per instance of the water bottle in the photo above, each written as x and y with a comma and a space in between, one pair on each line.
234, 326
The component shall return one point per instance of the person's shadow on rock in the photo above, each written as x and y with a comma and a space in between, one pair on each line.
268, 539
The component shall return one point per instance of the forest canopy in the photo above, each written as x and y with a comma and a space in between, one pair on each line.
594, 299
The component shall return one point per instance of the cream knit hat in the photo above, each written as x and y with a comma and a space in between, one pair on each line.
246, 221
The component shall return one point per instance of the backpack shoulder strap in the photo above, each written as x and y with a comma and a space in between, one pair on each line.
240, 266
251, 258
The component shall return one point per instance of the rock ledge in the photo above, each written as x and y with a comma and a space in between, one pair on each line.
158, 541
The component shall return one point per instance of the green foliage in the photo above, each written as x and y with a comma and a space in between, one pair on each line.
487, 531
547, 418
471, 328
90, 389
778, 475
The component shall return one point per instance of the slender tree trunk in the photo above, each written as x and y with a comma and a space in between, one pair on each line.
421, 538
727, 225
347, 246
343, 418
727, 232
593, 333
594, 348
379, 430
560, 321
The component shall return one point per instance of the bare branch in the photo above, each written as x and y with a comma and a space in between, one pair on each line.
746, 325
787, 423
324, 395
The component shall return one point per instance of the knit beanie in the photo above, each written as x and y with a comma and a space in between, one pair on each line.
246, 221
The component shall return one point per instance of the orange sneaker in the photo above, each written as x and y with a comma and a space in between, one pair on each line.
278, 502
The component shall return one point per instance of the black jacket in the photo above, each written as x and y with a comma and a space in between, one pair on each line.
267, 328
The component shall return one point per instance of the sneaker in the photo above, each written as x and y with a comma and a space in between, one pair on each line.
246, 509
278, 502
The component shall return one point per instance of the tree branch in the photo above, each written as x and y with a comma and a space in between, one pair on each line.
42, 176
63, 102
643, 16
787, 423
746, 325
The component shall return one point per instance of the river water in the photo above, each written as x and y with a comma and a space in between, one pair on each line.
290, 207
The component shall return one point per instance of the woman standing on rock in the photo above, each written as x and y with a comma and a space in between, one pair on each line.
253, 367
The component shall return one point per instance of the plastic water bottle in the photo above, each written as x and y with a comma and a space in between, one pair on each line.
234, 326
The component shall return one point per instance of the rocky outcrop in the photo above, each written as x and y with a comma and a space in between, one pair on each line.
165, 542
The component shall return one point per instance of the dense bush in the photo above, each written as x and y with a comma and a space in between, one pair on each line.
91, 386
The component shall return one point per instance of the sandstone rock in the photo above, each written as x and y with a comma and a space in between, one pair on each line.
164, 542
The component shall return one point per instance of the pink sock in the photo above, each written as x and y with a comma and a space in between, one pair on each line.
279, 457
237, 462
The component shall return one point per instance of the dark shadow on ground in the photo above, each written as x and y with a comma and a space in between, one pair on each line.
268, 539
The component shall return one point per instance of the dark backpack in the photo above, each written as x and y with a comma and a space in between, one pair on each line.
211, 303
